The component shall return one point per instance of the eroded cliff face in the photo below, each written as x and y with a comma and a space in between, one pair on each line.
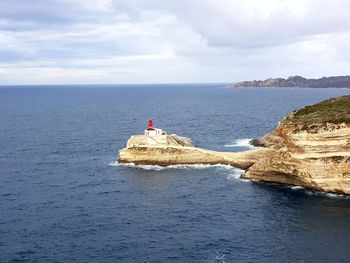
318, 160
315, 155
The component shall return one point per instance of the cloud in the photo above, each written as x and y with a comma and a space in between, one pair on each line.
135, 41
254, 23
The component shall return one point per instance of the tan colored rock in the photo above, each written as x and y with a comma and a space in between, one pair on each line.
138, 151
309, 148
312, 148
318, 160
169, 154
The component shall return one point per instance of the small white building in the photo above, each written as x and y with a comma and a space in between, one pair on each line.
154, 132
154, 135
151, 131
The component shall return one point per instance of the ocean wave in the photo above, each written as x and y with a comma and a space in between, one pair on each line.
113, 163
297, 188
175, 166
319, 193
243, 142
219, 258
324, 194
235, 173
231, 172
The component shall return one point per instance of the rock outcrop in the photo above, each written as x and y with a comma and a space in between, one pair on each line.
309, 148
312, 148
177, 150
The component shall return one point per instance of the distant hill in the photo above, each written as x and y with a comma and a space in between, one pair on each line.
298, 81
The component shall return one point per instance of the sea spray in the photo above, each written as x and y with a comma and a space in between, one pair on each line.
316, 193
243, 142
175, 166
232, 172
327, 195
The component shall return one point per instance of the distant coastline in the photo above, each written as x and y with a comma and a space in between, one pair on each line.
296, 82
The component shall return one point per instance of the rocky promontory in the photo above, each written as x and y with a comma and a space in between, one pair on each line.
174, 149
298, 82
310, 148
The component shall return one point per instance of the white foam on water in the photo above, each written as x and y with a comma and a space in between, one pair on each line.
235, 174
297, 188
113, 163
176, 166
219, 258
243, 142
324, 194
231, 173
319, 193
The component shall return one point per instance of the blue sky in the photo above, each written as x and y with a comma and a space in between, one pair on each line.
165, 41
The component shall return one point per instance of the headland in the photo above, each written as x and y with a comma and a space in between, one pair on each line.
309, 148
296, 82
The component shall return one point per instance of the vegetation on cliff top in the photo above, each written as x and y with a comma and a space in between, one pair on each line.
335, 110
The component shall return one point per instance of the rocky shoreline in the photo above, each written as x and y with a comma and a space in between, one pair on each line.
309, 148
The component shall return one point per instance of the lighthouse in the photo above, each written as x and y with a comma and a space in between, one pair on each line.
150, 125
152, 132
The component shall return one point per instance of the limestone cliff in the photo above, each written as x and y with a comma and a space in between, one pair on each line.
310, 148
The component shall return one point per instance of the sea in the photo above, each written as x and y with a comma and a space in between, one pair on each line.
65, 198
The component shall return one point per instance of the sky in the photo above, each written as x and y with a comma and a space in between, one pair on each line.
171, 41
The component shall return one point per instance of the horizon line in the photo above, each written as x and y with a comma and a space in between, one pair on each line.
120, 84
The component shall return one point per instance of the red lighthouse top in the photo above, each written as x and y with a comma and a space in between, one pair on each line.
150, 125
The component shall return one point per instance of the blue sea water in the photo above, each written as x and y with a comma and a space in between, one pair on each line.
64, 199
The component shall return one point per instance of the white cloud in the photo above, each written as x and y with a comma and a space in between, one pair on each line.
115, 41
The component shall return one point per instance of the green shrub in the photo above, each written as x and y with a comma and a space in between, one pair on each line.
335, 110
